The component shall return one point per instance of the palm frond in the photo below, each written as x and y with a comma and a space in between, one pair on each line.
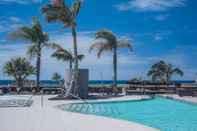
100, 51
56, 77
56, 46
54, 13
59, 3
164, 70
23, 33
61, 56
106, 34
33, 34
162, 65
124, 43
32, 51
61, 53
104, 47
100, 45
75, 8
158, 71
49, 45
178, 71
150, 72
80, 57
18, 68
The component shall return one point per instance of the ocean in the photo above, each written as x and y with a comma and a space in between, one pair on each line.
50, 82
91, 82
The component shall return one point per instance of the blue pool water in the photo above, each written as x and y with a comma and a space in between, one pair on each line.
160, 113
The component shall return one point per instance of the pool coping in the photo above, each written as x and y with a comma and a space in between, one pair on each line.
121, 99
111, 100
177, 99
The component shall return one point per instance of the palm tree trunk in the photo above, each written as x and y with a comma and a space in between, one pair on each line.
167, 79
70, 65
115, 70
19, 85
76, 75
38, 62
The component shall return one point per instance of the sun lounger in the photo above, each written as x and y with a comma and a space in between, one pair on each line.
15, 101
52, 90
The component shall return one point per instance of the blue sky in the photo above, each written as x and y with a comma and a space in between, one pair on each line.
159, 30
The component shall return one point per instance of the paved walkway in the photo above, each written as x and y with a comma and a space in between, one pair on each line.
48, 118
189, 99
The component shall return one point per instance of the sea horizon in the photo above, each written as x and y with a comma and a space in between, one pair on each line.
51, 82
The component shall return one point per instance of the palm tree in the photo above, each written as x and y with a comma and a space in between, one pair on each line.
59, 11
136, 79
170, 71
105, 40
38, 39
19, 68
56, 77
163, 72
64, 55
157, 71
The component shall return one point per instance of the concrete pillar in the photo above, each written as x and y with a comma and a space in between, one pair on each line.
83, 81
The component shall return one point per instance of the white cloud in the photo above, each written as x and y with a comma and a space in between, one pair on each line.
161, 17
126, 60
2, 28
158, 37
95, 65
15, 26
85, 40
129, 64
15, 19
150, 5
10, 23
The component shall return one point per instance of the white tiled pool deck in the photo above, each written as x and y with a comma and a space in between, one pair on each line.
188, 99
49, 118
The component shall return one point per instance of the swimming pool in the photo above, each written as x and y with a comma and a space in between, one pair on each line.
160, 113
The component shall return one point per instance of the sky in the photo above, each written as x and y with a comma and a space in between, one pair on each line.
158, 30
